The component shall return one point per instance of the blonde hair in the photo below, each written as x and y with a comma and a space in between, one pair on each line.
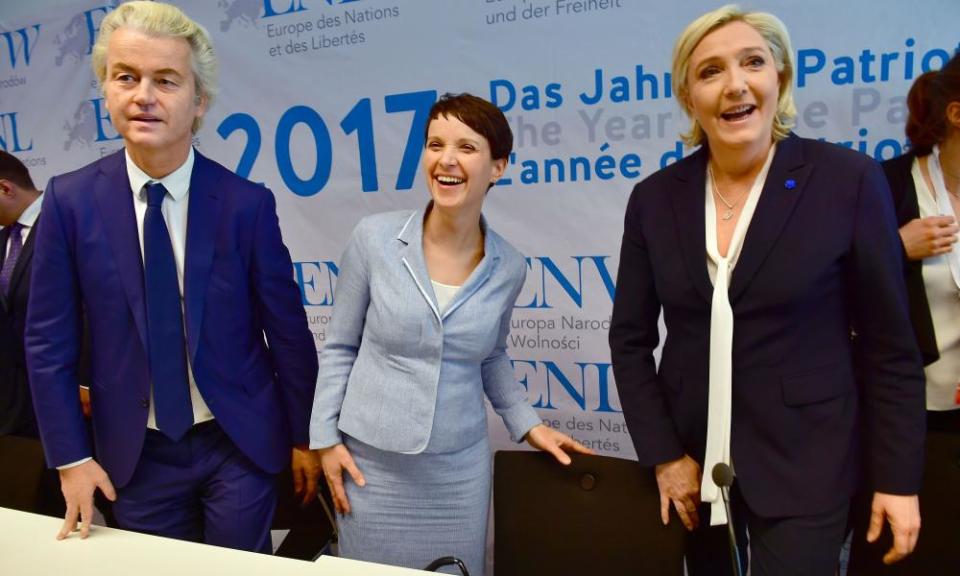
778, 40
159, 19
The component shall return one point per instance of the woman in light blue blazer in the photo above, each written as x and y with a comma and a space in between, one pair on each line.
418, 336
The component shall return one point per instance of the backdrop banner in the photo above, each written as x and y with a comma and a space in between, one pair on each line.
325, 101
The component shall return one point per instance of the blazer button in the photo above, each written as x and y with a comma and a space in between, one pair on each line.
144, 403
588, 482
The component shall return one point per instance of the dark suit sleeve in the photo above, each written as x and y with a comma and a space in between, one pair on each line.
634, 335
898, 173
907, 207
53, 337
890, 368
284, 320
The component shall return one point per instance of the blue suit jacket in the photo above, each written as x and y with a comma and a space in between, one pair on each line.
395, 372
238, 288
821, 255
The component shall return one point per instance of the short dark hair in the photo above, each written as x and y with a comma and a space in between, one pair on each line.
927, 102
481, 116
12, 169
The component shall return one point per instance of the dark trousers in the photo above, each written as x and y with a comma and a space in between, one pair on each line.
27, 484
788, 546
938, 548
51, 497
201, 489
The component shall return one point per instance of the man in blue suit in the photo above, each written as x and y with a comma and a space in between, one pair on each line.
202, 364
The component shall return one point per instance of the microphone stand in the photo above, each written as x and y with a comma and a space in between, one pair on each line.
723, 477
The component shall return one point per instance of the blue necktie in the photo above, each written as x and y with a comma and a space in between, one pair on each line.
16, 245
168, 354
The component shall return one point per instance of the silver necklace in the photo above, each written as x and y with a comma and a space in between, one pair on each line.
935, 165
955, 179
728, 213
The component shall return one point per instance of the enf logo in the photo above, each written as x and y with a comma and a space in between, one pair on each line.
10, 136
93, 18
20, 44
270, 10
547, 284
101, 115
317, 281
589, 385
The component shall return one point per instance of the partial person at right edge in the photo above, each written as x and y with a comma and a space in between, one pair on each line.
925, 184
762, 249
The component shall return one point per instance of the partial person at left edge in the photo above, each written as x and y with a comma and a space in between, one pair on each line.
19, 208
20, 202
202, 364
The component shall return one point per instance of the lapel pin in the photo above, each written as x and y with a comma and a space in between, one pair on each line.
790, 184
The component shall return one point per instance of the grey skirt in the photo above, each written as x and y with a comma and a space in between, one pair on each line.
416, 508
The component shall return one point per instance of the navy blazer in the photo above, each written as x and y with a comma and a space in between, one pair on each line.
821, 254
248, 342
398, 374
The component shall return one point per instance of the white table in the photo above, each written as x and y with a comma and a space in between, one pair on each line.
28, 547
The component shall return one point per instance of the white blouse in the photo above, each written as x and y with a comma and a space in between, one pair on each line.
444, 294
943, 297
720, 393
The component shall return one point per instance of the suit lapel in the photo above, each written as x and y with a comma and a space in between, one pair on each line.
480, 274
785, 183
115, 201
411, 254
689, 211
203, 218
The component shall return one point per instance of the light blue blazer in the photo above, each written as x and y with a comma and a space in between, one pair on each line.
397, 374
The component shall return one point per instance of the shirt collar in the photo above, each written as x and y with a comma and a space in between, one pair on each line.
29, 216
177, 182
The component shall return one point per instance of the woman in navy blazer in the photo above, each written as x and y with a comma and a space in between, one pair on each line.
926, 194
762, 249
418, 337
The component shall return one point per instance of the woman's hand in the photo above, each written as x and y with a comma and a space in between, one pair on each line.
931, 236
679, 482
557, 443
334, 460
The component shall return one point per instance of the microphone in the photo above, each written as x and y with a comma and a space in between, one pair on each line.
723, 477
